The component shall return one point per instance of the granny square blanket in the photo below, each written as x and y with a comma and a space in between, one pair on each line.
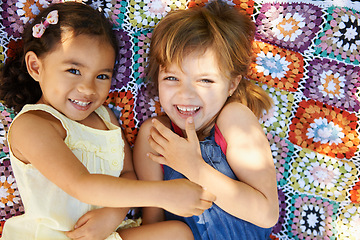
307, 60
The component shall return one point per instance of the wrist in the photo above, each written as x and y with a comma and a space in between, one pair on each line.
196, 170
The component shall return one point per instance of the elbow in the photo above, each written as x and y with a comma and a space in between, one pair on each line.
271, 217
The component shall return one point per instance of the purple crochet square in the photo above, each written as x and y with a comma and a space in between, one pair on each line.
16, 14
279, 226
292, 26
333, 83
147, 103
123, 70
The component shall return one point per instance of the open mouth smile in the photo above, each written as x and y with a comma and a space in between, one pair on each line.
80, 103
187, 110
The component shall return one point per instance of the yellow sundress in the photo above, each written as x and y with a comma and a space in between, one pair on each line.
49, 211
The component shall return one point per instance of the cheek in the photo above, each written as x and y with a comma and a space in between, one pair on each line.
104, 88
164, 93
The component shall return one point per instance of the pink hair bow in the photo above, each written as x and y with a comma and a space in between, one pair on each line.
39, 29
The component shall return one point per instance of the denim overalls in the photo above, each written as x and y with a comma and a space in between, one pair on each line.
214, 223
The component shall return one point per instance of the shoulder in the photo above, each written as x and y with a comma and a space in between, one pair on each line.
236, 114
238, 124
147, 124
38, 120
28, 127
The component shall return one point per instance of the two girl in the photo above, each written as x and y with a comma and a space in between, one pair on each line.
210, 134
67, 150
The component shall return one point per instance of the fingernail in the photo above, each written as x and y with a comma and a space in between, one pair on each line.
190, 120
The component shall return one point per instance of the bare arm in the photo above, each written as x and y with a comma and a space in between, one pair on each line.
147, 170
254, 196
31, 134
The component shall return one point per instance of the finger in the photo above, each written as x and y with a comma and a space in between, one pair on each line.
205, 205
157, 137
81, 221
190, 129
157, 158
75, 234
208, 196
78, 230
155, 146
196, 212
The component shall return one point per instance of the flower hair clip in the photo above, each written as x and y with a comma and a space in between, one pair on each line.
51, 18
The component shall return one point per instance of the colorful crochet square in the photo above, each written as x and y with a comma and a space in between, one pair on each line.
114, 9
147, 13
321, 175
141, 41
325, 129
147, 103
292, 26
277, 66
282, 150
247, 5
355, 193
16, 13
277, 120
118, 13
122, 104
340, 39
333, 83
13, 48
6, 118
10, 201
123, 70
312, 217
348, 222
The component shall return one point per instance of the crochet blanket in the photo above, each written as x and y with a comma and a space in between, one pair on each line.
307, 60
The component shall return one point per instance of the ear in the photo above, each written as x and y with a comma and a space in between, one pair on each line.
33, 65
234, 84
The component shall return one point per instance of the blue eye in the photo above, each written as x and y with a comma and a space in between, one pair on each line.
103, 76
171, 78
207, 81
74, 71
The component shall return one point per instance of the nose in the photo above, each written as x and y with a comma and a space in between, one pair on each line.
187, 90
87, 87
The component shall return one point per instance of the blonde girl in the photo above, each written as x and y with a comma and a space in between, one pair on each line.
210, 134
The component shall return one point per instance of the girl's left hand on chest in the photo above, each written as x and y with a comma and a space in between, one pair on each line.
181, 154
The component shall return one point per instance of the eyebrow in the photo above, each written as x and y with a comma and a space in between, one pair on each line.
71, 62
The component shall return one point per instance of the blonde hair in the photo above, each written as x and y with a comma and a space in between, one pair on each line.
226, 30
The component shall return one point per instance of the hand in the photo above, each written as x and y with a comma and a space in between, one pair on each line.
185, 198
181, 154
97, 224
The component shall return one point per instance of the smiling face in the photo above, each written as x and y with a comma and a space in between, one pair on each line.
197, 88
75, 77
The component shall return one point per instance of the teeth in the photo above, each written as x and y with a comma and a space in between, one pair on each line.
188, 109
80, 103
